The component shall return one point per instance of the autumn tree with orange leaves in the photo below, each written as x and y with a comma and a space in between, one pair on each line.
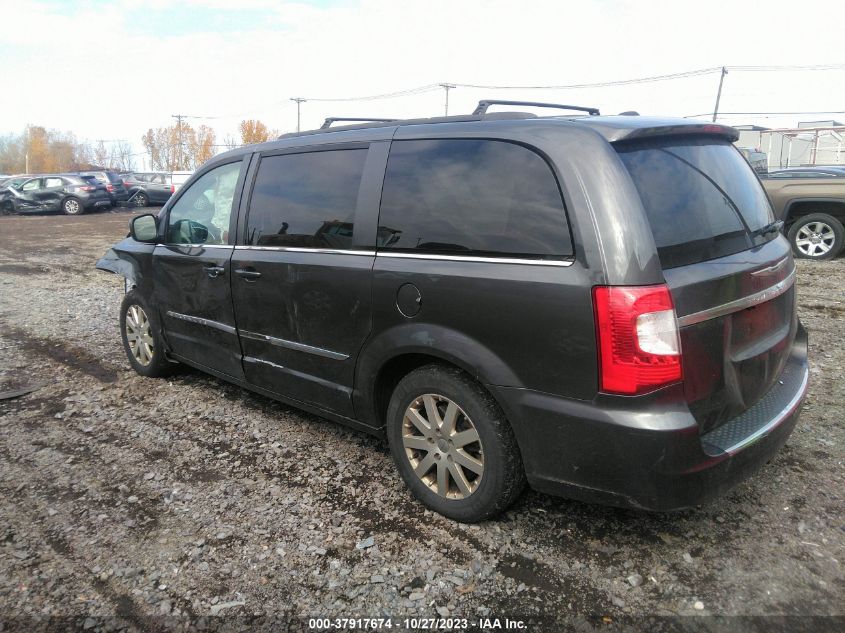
45, 151
179, 147
254, 131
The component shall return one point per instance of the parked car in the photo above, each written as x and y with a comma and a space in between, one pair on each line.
758, 160
179, 178
814, 171
148, 188
811, 204
113, 183
70, 193
602, 306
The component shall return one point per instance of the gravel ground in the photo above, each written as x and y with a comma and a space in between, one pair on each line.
142, 504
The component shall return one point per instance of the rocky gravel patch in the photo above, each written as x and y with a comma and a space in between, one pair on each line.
189, 503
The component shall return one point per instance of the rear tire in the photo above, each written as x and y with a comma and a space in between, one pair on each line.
142, 200
72, 206
816, 236
140, 333
467, 465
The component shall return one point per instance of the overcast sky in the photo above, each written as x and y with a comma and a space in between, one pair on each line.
111, 70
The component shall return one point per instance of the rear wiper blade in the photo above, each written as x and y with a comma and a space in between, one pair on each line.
769, 228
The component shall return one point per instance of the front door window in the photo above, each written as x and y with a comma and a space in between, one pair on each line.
202, 213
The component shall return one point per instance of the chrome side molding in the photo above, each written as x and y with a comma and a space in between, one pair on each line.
300, 347
200, 321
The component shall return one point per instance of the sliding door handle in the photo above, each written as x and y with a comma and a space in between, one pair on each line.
213, 271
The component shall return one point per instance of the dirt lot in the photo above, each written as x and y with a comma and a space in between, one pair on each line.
141, 504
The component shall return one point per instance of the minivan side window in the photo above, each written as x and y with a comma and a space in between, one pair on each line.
306, 200
468, 196
201, 215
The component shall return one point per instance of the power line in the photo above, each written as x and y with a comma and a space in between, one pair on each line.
722, 114
678, 75
386, 95
788, 68
602, 84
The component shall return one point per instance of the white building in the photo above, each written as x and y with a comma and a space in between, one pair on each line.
811, 143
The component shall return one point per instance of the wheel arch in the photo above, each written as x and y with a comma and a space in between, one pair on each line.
805, 206
393, 354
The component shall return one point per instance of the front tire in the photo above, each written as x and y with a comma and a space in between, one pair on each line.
72, 206
452, 445
141, 337
817, 236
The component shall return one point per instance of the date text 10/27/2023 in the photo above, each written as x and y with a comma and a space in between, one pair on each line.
416, 624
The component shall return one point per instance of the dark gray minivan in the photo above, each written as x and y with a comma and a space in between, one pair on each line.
601, 306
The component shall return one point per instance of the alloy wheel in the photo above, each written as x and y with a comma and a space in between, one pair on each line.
138, 335
72, 206
443, 446
815, 239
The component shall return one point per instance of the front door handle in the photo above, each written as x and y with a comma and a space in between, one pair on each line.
214, 271
248, 274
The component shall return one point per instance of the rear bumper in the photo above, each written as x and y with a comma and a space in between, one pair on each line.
653, 456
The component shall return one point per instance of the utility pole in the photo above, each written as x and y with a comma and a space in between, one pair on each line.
179, 118
299, 100
447, 88
719, 94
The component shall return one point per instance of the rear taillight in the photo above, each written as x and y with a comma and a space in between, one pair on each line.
637, 332
172, 189
109, 188
86, 188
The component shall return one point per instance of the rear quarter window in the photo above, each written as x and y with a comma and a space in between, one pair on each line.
702, 199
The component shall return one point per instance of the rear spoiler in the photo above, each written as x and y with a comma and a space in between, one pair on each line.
625, 127
688, 129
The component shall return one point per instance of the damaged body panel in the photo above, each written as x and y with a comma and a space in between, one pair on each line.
131, 260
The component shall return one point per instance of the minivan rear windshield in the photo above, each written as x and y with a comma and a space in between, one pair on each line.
701, 197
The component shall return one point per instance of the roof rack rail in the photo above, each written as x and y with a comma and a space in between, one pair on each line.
334, 119
486, 103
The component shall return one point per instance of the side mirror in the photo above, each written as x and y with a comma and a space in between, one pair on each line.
144, 228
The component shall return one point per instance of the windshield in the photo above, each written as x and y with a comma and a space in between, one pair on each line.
701, 197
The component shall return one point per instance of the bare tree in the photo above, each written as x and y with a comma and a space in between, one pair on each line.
122, 157
101, 154
230, 142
